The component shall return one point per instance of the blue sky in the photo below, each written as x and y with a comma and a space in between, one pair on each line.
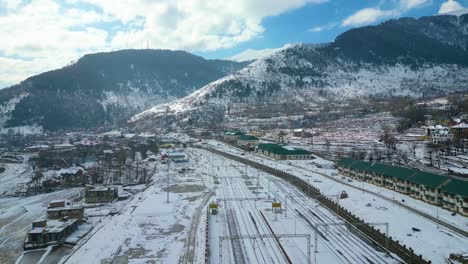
48, 34
296, 25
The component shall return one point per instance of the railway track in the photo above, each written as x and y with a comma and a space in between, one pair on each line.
243, 219
418, 212
406, 254
347, 246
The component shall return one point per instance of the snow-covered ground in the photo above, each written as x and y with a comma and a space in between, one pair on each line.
14, 175
16, 216
147, 227
439, 242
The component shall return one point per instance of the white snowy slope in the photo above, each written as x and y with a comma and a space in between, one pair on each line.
253, 54
293, 75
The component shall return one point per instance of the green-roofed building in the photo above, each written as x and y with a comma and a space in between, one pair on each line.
427, 186
376, 172
232, 135
432, 188
397, 178
247, 141
279, 152
455, 196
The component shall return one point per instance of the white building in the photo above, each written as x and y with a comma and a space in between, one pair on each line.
439, 134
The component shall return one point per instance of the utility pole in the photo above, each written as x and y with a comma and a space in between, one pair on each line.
168, 166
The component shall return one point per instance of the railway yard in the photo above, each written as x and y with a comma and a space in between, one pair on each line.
252, 232
225, 206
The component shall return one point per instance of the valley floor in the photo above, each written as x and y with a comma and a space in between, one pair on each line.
147, 229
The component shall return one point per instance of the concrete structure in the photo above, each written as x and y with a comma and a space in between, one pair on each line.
460, 133
232, 136
177, 156
247, 141
439, 134
49, 232
101, 195
257, 133
60, 209
298, 132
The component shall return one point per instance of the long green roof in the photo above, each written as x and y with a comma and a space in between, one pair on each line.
428, 179
455, 186
399, 172
360, 165
431, 180
247, 137
345, 162
379, 168
280, 150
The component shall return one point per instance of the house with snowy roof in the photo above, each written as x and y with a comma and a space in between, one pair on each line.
232, 136
460, 132
58, 209
247, 141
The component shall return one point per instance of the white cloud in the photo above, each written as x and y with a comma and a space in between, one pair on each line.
43, 36
367, 16
370, 15
195, 25
323, 27
450, 6
46, 34
409, 4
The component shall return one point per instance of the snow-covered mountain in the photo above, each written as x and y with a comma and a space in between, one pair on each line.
253, 54
106, 88
404, 57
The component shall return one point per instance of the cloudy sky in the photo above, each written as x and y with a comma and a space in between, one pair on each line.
40, 35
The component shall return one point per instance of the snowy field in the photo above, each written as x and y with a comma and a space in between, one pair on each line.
16, 216
375, 209
14, 174
147, 228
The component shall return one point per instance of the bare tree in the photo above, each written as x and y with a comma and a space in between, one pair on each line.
413, 147
327, 145
389, 141
432, 150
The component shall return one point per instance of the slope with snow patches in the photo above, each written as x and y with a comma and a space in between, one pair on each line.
253, 54
301, 74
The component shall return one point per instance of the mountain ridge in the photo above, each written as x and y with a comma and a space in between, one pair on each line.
401, 57
106, 88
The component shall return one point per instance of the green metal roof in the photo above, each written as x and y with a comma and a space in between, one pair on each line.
345, 162
399, 172
280, 150
360, 165
379, 168
458, 187
428, 179
247, 137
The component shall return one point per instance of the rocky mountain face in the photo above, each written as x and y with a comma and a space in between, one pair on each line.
106, 88
424, 57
